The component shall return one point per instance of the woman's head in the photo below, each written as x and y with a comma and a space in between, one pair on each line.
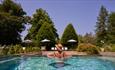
59, 46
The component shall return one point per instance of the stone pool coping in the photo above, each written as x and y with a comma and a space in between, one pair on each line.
75, 53
44, 53
110, 54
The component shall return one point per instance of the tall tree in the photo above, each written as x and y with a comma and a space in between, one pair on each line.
11, 22
101, 33
12, 8
45, 32
69, 33
39, 18
111, 28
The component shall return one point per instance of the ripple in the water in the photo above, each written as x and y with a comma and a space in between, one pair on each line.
59, 65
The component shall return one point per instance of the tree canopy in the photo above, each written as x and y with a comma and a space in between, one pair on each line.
69, 33
39, 18
45, 32
11, 22
111, 28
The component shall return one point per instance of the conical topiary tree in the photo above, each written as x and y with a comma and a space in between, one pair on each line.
69, 33
46, 32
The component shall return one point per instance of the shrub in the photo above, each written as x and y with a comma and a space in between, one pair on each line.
18, 49
36, 49
113, 48
110, 48
11, 50
88, 48
15, 49
32, 49
4, 51
28, 49
107, 49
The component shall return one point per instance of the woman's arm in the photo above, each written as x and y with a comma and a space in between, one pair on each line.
65, 55
51, 55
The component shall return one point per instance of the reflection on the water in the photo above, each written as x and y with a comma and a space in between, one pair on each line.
58, 65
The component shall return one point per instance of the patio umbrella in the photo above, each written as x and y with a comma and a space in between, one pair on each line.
72, 41
45, 40
28, 41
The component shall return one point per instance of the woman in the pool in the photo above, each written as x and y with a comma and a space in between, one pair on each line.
60, 54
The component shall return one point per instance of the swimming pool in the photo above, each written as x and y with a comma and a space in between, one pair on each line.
73, 63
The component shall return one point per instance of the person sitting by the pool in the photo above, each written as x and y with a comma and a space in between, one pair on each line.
60, 53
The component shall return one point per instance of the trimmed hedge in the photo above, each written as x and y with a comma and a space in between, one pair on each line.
88, 48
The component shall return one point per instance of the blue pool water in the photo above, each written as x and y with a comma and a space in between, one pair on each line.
73, 63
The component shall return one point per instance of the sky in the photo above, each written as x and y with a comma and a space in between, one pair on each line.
81, 13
